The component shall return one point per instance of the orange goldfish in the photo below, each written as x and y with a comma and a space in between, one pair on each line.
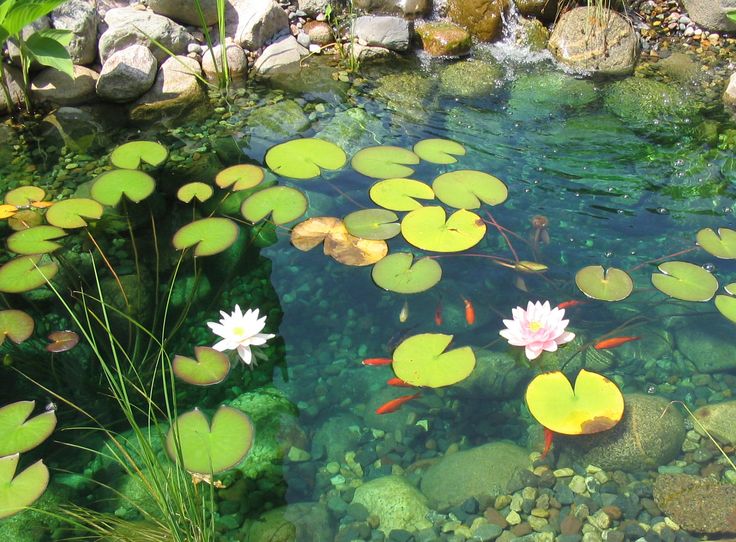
438, 315
396, 381
378, 361
613, 342
469, 312
548, 437
569, 304
394, 404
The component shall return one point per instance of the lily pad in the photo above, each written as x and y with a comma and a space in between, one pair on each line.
399, 273
610, 284
110, 187
209, 367
25, 219
25, 273
15, 325
400, 194
21, 434
209, 449
421, 360
6, 211
208, 235
439, 151
427, 228
304, 158
240, 177
74, 213
196, 190
131, 154
283, 203
720, 245
384, 162
37, 240
596, 404
62, 341
526, 266
23, 196
373, 224
19, 492
469, 189
338, 243
686, 281
726, 304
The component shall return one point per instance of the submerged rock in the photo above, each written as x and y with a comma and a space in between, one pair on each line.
405, 93
482, 18
274, 123
718, 420
471, 78
542, 94
444, 39
496, 375
709, 346
297, 522
397, 503
353, 129
336, 436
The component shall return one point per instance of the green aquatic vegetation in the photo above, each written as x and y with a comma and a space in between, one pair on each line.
398, 272
721, 244
283, 203
74, 213
195, 190
685, 281
469, 189
208, 236
110, 187
438, 151
19, 433
21, 491
130, 155
428, 228
726, 304
304, 158
400, 194
423, 360
23, 196
611, 284
210, 367
373, 224
384, 162
26, 273
15, 325
240, 177
36, 240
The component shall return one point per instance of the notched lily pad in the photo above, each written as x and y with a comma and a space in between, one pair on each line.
686, 281
26, 273
726, 304
400, 194
384, 162
15, 325
208, 235
373, 224
283, 203
429, 228
400, 273
240, 177
439, 151
421, 360
196, 190
610, 284
469, 189
209, 367
23, 196
338, 243
131, 154
74, 213
37, 240
19, 492
111, 186
304, 158
20, 433
25, 219
721, 244
62, 341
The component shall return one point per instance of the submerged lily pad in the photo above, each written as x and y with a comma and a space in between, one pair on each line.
469, 189
384, 162
25, 219
209, 367
25, 273
720, 245
373, 224
421, 360
62, 341
304, 158
686, 281
338, 243
37, 240
240, 177
21, 434
399, 273
110, 187
283, 203
208, 235
427, 228
439, 151
400, 194
131, 154
19, 492
209, 449
596, 404
196, 190
726, 304
24, 195
610, 284
71, 213
15, 325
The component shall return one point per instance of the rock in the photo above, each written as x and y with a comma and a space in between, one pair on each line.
410, 8
444, 39
729, 96
82, 129
397, 503
643, 439
281, 57
705, 347
366, 53
541, 9
319, 32
55, 87
128, 26
680, 67
531, 33
718, 420
14, 81
352, 129
478, 472
482, 18
127, 74
252, 24
175, 93
313, 7
277, 122
336, 436
701, 505
297, 522
471, 78
496, 374
542, 94
711, 14
183, 12
383, 31
80, 17
601, 47
405, 93
237, 62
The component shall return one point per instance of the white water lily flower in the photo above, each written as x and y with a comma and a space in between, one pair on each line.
239, 332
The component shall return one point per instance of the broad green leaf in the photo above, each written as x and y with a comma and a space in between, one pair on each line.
283, 203
720, 245
686, 281
469, 189
726, 304
427, 228
208, 235
48, 51
596, 404
23, 13
209, 367
400, 194
24, 219
373, 224
71, 213
130, 155
110, 187
240, 177
731, 15
23, 196
384, 162
20, 434
37, 240
196, 190
399, 273
211, 449
439, 151
62, 36
610, 284
421, 360
25, 273
304, 158
15, 325
19, 492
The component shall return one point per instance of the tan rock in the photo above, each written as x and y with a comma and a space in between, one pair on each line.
482, 18
56, 87
444, 39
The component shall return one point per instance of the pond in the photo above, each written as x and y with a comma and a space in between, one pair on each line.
571, 174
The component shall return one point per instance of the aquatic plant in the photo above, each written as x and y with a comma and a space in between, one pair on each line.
15, 325
539, 328
338, 243
400, 273
210, 367
304, 158
610, 284
21, 491
239, 331
423, 360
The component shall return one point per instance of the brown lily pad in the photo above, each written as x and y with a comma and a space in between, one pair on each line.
61, 341
338, 243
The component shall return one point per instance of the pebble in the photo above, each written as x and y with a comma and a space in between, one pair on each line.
578, 485
487, 532
563, 473
513, 518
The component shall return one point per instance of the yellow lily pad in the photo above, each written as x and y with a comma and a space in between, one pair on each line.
721, 244
304, 158
384, 162
429, 228
240, 177
610, 284
400, 194
439, 151
686, 281
469, 189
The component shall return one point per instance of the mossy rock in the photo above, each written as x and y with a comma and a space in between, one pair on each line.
471, 78
541, 9
444, 39
697, 504
352, 129
532, 33
497, 375
304, 521
405, 93
539, 95
482, 18
397, 503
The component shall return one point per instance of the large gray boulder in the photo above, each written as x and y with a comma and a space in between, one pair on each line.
412, 8
709, 348
281, 57
237, 62
711, 14
55, 87
251, 24
393, 33
127, 74
79, 17
718, 420
397, 503
182, 11
313, 7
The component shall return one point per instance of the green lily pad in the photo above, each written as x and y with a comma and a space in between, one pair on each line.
283, 203
373, 224
110, 187
720, 245
21, 434
421, 360
131, 154
397, 273
469, 189
400, 194
439, 151
15, 325
686, 281
726, 304
208, 235
209, 367
240, 177
610, 284
71, 213
35, 240
19, 492
25, 273
24, 195
426, 228
304, 158
196, 190
384, 162
211, 449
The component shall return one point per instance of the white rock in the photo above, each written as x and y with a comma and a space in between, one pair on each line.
127, 74
237, 61
383, 31
52, 86
252, 23
282, 56
183, 11
729, 96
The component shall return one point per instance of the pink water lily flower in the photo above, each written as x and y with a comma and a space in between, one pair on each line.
538, 328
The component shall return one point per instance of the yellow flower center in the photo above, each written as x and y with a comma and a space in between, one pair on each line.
534, 326
238, 330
